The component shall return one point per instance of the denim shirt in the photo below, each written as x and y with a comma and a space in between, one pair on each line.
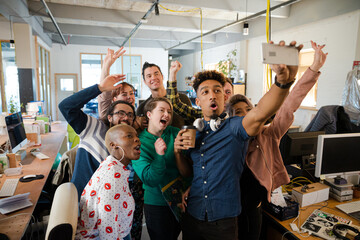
219, 159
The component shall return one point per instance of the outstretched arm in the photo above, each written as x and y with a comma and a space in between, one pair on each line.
180, 108
273, 99
71, 106
285, 116
104, 99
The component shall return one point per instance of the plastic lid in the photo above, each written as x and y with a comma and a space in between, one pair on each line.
188, 127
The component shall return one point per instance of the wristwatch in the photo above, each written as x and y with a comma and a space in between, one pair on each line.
283, 86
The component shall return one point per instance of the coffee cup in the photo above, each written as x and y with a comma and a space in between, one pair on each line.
191, 132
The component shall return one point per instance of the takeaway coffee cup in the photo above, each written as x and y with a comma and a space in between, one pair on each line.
191, 132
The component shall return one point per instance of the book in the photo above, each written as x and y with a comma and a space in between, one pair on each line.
172, 193
14, 203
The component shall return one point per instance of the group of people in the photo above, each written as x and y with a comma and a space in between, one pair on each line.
125, 157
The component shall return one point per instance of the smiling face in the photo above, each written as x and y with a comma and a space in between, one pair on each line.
160, 116
122, 114
126, 94
153, 78
241, 109
210, 97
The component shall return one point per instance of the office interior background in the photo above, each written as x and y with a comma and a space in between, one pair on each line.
45, 65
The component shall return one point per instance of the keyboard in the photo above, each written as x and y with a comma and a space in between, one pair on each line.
9, 187
349, 207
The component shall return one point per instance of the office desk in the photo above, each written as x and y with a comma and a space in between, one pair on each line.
283, 226
15, 226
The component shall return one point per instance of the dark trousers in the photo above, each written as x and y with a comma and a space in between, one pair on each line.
138, 194
194, 229
252, 195
161, 223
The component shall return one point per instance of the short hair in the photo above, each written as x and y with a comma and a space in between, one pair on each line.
152, 103
208, 75
116, 92
231, 83
149, 65
110, 134
110, 111
236, 99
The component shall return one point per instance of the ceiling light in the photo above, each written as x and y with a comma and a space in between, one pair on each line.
12, 43
246, 29
170, 57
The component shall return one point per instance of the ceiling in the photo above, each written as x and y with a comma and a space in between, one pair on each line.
109, 22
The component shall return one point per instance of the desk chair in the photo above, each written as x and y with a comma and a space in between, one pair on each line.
74, 139
64, 213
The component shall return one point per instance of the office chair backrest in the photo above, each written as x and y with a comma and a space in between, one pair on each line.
64, 213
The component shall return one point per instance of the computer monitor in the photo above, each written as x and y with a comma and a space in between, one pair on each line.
299, 147
338, 154
16, 131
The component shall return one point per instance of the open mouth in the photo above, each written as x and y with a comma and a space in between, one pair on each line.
213, 106
137, 149
163, 122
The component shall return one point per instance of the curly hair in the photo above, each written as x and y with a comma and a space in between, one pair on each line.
201, 77
149, 65
116, 92
152, 103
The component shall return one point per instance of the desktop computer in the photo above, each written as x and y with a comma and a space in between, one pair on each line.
16, 134
337, 162
300, 148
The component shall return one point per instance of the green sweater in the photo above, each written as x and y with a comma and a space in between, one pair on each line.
154, 170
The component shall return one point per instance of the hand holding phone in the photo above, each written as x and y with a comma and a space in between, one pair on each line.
276, 54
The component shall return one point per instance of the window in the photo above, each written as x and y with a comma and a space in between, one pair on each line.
67, 84
43, 78
91, 64
10, 78
306, 59
90, 69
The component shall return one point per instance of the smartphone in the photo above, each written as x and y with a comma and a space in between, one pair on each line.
275, 54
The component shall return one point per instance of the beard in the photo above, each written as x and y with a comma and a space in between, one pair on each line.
214, 116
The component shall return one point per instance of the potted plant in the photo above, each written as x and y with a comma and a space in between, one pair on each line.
228, 66
13, 106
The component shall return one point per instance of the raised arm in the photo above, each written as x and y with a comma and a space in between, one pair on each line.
273, 99
185, 111
105, 99
71, 106
285, 116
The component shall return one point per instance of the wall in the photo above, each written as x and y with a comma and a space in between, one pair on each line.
4, 29
66, 59
340, 34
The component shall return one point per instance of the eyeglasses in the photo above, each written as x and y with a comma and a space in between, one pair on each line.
122, 114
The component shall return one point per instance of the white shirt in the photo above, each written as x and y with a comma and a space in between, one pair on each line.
106, 204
